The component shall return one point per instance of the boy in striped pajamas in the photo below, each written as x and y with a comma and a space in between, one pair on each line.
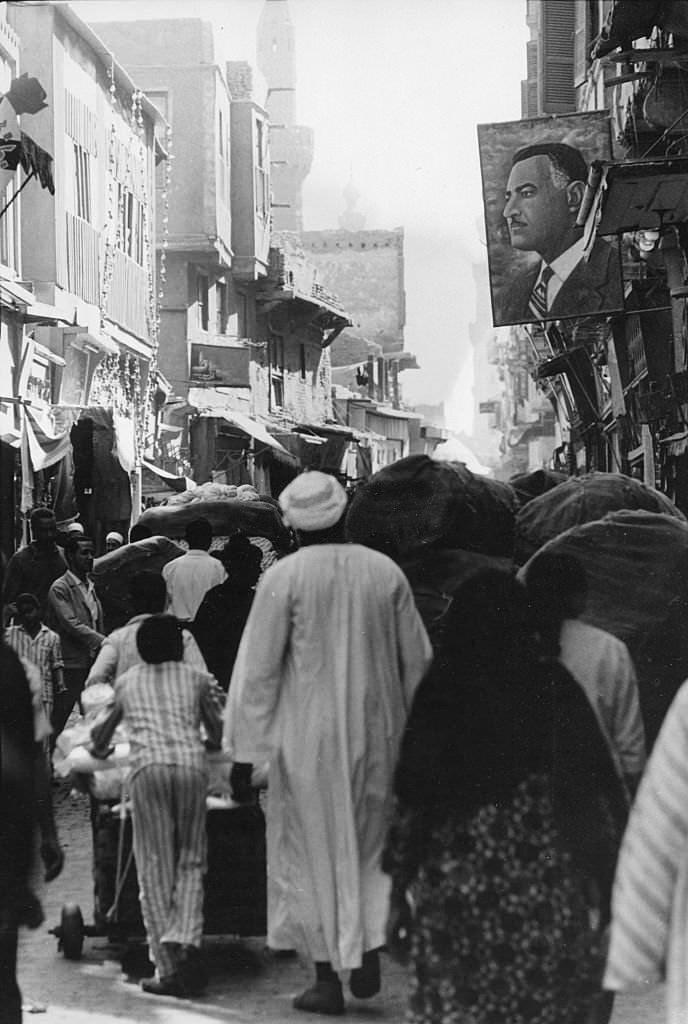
163, 702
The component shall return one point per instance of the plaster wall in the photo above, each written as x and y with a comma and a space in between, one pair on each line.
365, 270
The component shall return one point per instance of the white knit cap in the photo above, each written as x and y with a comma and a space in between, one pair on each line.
113, 535
313, 501
74, 528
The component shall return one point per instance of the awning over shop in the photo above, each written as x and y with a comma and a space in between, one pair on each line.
45, 448
175, 483
253, 428
215, 404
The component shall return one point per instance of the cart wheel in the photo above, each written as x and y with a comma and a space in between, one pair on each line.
72, 927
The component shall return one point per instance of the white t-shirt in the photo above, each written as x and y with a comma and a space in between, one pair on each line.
602, 665
188, 579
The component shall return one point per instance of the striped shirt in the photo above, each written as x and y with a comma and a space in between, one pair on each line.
162, 707
41, 725
44, 650
649, 929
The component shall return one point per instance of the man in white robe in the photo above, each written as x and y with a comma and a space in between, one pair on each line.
332, 653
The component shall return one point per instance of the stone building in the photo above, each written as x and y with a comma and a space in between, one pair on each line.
291, 144
88, 249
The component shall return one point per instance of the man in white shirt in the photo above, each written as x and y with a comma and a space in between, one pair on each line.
189, 578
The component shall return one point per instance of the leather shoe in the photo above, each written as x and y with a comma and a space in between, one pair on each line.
191, 972
169, 986
364, 981
323, 997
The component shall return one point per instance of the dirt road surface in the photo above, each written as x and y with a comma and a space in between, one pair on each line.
246, 985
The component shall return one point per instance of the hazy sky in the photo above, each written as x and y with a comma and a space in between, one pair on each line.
393, 90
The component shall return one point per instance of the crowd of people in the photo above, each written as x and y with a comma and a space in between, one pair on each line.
462, 807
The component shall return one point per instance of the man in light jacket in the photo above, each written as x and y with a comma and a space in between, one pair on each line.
75, 612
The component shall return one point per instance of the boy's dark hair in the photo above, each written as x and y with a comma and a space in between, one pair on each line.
148, 593
71, 544
26, 600
159, 638
199, 534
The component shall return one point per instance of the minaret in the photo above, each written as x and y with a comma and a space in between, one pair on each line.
291, 145
352, 219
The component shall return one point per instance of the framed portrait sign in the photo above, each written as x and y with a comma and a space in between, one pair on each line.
533, 177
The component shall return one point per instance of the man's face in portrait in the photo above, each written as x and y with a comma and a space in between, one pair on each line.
539, 213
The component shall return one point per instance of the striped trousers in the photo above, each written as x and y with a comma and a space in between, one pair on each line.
170, 846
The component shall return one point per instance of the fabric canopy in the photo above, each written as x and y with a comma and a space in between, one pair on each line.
253, 428
175, 483
45, 448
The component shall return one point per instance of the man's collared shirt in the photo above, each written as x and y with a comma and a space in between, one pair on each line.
562, 268
188, 579
43, 650
88, 592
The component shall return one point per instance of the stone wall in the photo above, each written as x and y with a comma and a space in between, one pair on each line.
365, 270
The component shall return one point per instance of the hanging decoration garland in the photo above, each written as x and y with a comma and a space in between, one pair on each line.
156, 298
117, 380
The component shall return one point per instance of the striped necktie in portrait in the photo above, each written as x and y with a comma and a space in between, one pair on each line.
538, 296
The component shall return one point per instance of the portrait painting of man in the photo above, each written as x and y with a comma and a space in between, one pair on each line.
534, 177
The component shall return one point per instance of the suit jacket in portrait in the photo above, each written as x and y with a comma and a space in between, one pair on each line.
70, 617
593, 286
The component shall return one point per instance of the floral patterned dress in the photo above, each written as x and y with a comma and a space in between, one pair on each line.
502, 930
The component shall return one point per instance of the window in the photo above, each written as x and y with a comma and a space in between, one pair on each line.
277, 392
261, 170
277, 373
221, 307
161, 99
130, 236
82, 182
202, 300
223, 159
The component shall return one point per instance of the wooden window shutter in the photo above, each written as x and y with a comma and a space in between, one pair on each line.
582, 42
558, 26
529, 86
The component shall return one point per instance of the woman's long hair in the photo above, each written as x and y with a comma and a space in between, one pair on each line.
477, 725
556, 585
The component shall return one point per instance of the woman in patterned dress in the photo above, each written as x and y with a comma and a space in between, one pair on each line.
507, 823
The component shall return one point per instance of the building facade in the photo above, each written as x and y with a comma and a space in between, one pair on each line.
88, 254
616, 384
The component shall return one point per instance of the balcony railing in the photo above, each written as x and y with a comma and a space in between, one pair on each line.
82, 259
127, 302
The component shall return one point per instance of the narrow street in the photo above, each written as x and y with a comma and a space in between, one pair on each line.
245, 986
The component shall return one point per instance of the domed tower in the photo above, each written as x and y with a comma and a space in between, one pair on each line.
352, 219
291, 145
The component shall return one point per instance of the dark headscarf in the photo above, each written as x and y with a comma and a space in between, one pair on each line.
492, 711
